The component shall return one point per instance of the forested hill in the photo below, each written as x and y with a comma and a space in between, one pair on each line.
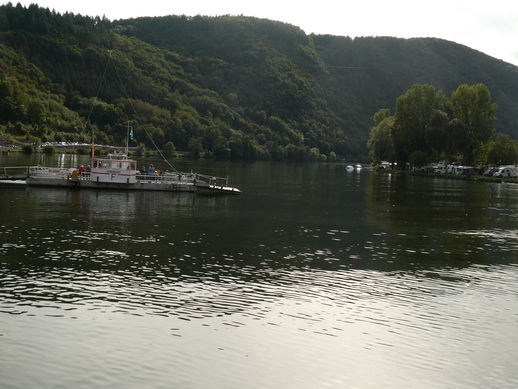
233, 87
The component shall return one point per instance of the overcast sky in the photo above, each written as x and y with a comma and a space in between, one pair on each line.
488, 26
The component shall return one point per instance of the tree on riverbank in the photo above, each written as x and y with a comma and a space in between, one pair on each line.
471, 106
502, 150
428, 125
380, 143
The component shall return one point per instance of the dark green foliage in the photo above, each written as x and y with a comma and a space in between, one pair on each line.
140, 150
380, 143
228, 87
428, 126
28, 149
502, 150
473, 108
169, 149
49, 149
420, 158
413, 118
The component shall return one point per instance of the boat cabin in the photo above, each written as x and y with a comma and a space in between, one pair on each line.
116, 168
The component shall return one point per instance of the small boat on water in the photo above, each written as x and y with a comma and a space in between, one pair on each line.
351, 168
117, 171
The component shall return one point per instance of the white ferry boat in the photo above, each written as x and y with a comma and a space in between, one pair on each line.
117, 171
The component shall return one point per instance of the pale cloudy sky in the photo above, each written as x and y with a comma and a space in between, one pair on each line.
488, 26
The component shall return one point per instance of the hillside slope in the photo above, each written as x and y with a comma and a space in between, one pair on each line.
235, 87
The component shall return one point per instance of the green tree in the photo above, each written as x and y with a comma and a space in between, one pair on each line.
380, 143
236, 146
438, 132
49, 149
314, 154
28, 149
502, 150
195, 145
420, 158
412, 119
141, 149
221, 148
472, 107
35, 112
11, 104
169, 149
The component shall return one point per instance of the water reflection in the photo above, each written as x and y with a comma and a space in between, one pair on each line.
430, 222
309, 271
123, 247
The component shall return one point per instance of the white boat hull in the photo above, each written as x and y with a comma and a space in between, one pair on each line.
204, 188
89, 184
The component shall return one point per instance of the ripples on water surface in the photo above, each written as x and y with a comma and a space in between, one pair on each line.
313, 278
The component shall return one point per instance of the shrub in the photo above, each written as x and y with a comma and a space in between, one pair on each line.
49, 149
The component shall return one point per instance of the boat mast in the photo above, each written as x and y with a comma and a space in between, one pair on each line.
92, 151
129, 135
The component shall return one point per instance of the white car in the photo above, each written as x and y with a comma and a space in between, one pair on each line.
507, 171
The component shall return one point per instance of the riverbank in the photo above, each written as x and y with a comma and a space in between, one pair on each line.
464, 177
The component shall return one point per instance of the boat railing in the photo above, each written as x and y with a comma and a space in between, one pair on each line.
13, 172
48, 172
214, 181
166, 177
118, 156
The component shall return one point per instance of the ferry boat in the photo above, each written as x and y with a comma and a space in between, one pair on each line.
117, 171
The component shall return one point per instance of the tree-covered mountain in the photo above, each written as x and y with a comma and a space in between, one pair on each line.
230, 86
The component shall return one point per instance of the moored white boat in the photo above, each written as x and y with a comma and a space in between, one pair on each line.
117, 171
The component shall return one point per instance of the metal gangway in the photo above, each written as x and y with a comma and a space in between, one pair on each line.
14, 172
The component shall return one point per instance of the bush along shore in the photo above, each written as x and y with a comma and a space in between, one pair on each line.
450, 176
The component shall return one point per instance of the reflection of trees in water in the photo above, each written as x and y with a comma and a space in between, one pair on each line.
423, 218
187, 255
104, 230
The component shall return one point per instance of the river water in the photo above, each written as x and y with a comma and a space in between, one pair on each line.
314, 277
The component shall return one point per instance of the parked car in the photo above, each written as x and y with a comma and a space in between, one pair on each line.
507, 171
490, 172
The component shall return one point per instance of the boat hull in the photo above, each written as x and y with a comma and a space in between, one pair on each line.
88, 184
204, 188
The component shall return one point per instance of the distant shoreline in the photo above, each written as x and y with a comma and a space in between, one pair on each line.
463, 177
